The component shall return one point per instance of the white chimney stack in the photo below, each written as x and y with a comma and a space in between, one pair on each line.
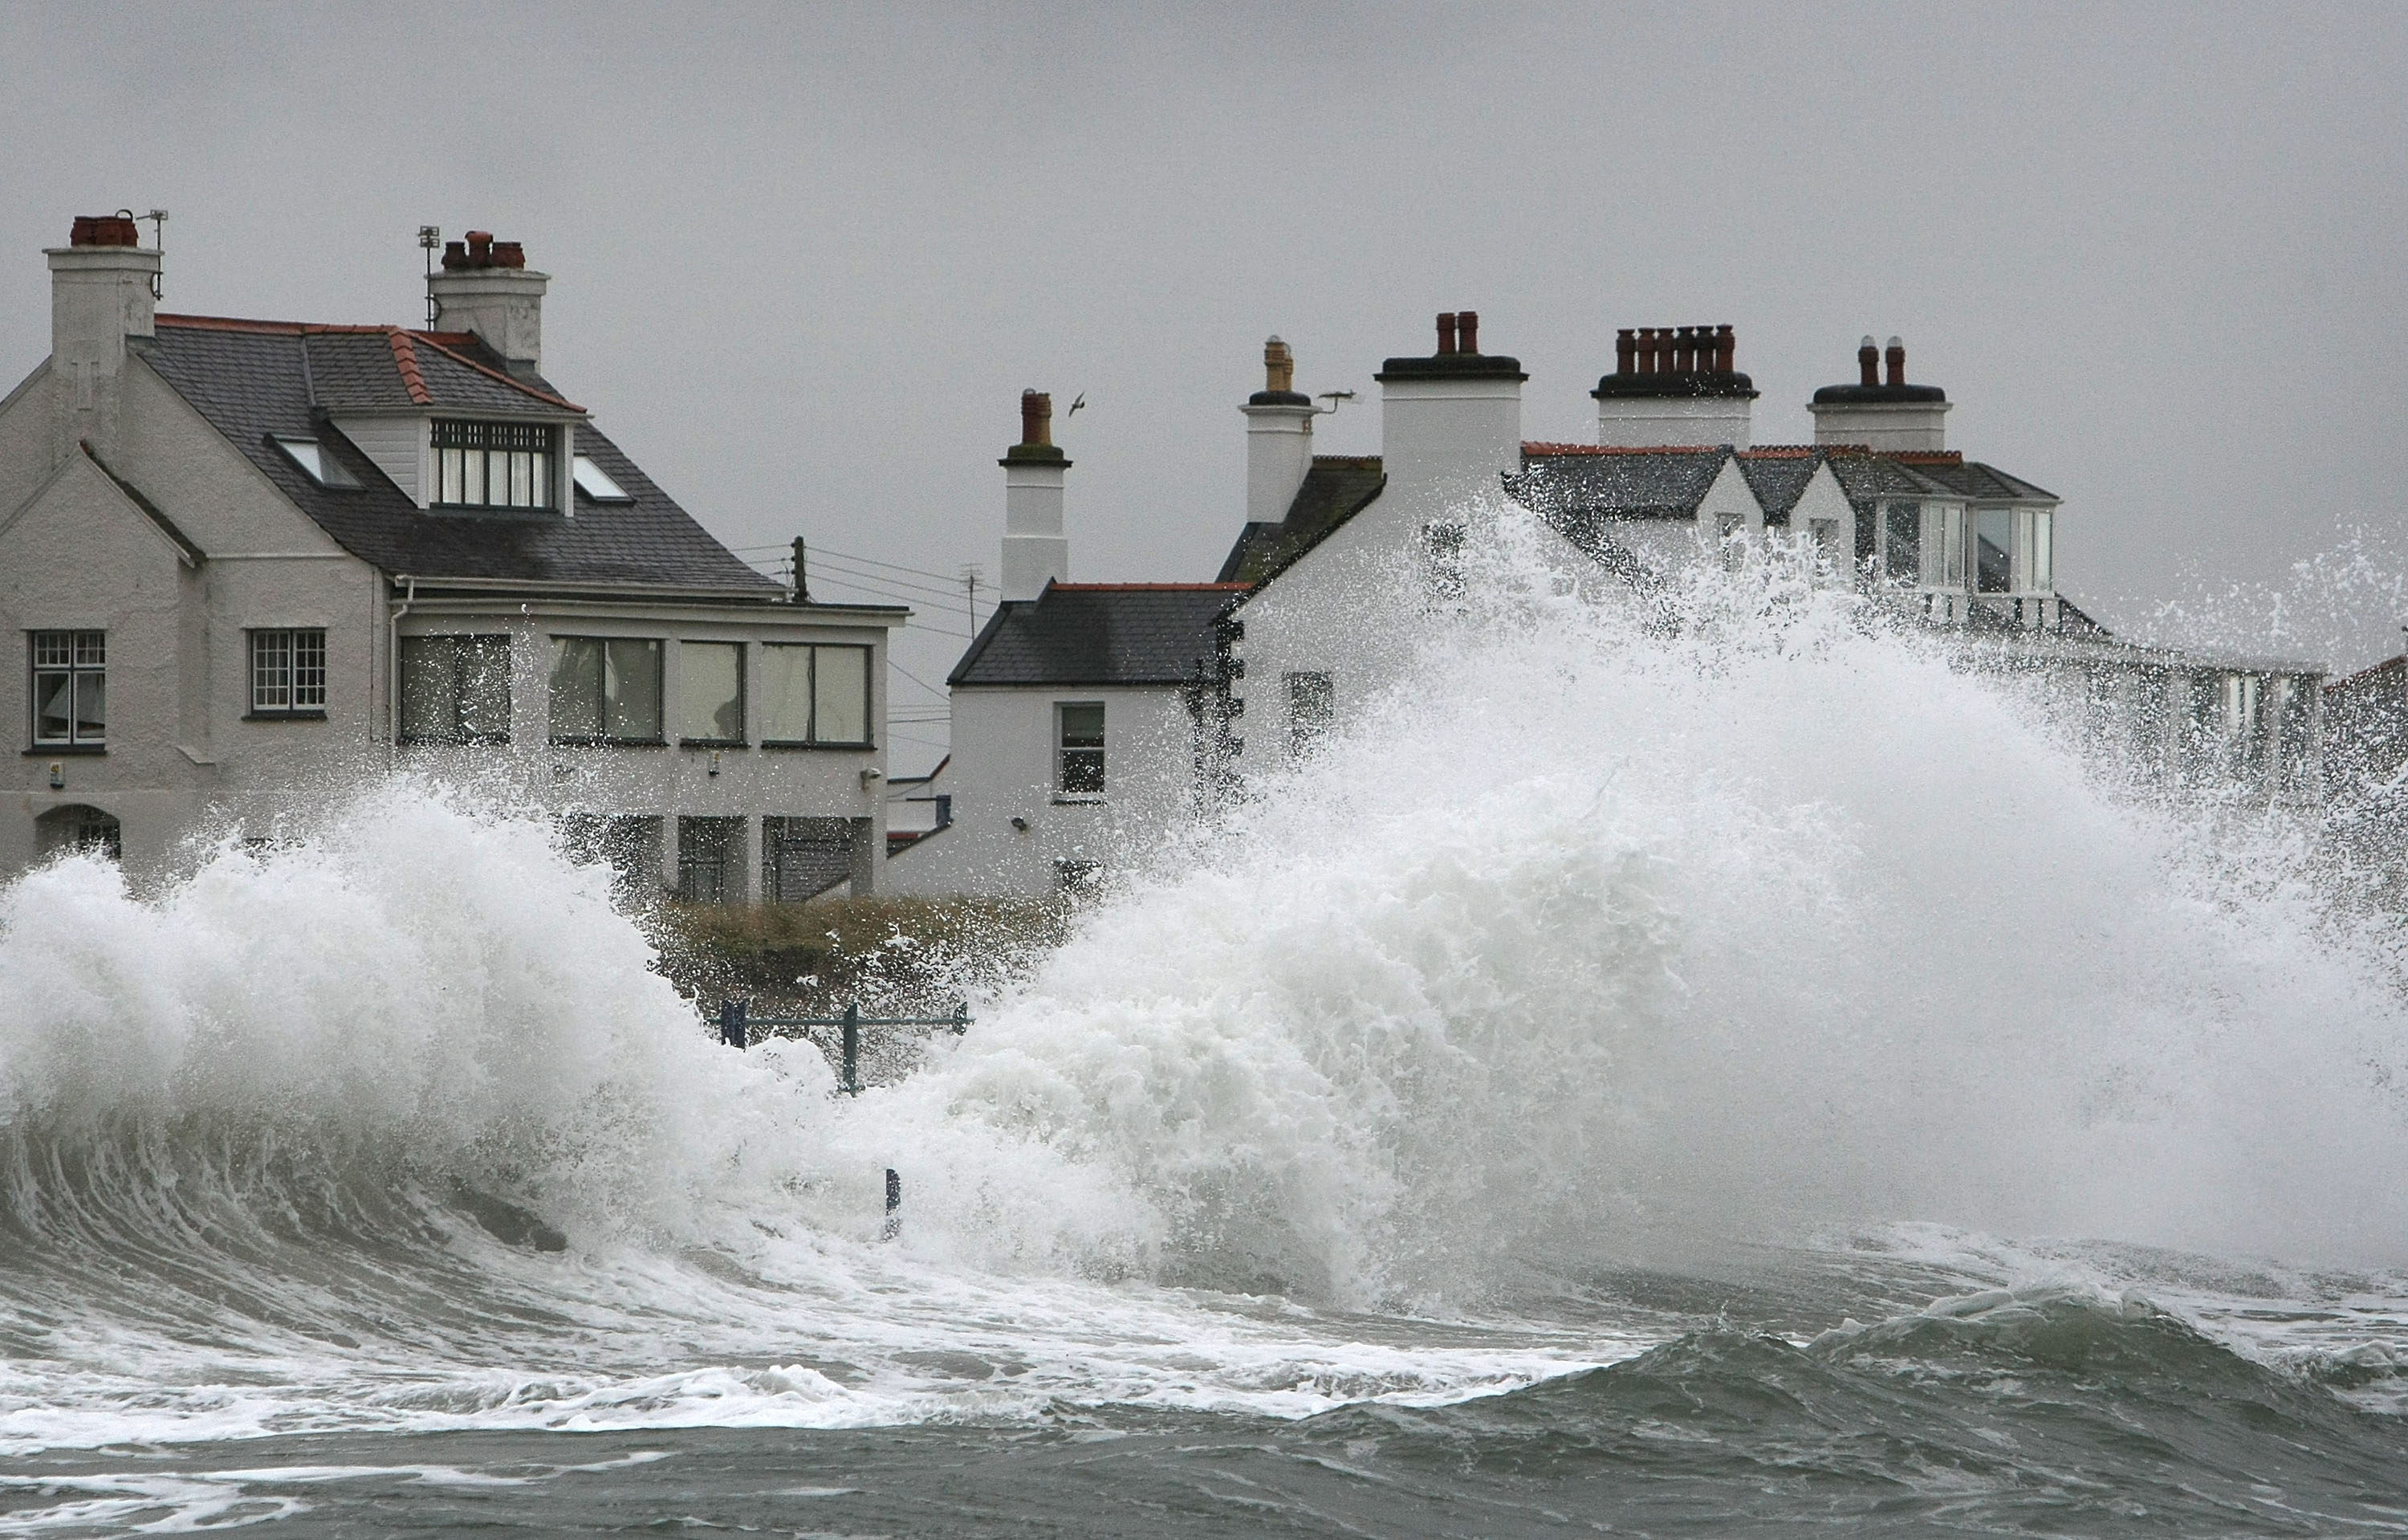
1036, 549
1278, 437
1675, 385
1450, 423
1891, 417
101, 294
486, 287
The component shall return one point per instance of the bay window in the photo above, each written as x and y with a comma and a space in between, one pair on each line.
1994, 546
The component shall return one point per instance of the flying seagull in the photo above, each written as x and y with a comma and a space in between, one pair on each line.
1075, 406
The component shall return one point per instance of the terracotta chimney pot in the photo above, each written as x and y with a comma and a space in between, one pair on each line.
1867, 363
1467, 327
1625, 352
1446, 332
1897, 360
1035, 417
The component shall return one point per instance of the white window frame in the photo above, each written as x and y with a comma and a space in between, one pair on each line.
80, 654
288, 672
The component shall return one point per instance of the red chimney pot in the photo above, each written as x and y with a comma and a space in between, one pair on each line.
1625, 352
1867, 364
1446, 331
1466, 329
1725, 349
1035, 417
1897, 360
508, 254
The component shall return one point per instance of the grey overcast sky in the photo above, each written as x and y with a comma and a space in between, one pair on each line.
806, 258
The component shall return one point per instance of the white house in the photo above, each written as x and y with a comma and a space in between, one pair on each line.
251, 560
1085, 716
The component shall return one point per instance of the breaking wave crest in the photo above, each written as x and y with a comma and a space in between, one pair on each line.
1600, 938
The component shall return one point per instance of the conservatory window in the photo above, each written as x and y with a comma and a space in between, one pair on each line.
1994, 550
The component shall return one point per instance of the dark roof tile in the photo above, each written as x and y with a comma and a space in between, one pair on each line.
1099, 634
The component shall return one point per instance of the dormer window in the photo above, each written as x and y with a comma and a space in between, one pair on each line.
493, 465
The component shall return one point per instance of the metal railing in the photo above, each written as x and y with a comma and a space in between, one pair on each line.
738, 1029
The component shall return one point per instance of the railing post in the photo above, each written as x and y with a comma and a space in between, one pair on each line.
894, 1205
852, 1049
732, 1028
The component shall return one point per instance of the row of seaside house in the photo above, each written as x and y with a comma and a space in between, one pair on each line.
248, 560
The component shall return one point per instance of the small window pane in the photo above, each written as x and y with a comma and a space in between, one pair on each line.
53, 706
710, 691
631, 689
1994, 550
1903, 561
576, 687
2043, 562
90, 707
308, 670
841, 694
271, 670
1081, 726
786, 693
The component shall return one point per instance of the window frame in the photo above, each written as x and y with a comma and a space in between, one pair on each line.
538, 455
459, 736
869, 738
76, 669
1064, 791
743, 697
599, 738
294, 709
314, 460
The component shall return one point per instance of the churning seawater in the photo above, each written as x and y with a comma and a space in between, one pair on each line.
1700, 1070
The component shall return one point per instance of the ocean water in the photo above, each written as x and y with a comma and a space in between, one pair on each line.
1705, 1071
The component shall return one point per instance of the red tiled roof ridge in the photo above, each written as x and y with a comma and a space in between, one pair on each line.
1780, 452
1925, 457
1346, 459
405, 358
465, 362
1149, 587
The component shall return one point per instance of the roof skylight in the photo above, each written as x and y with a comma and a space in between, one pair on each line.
595, 483
316, 462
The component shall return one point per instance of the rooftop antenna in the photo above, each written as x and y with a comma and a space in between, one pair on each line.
430, 240
802, 573
969, 583
158, 218
1333, 397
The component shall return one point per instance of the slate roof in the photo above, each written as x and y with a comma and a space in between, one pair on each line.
252, 378
1575, 482
1867, 477
1335, 489
1099, 634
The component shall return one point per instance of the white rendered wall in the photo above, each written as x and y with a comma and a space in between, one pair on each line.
1003, 767
1898, 427
1641, 421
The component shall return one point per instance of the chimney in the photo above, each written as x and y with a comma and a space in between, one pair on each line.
1889, 416
485, 287
1036, 550
1278, 437
103, 290
1674, 386
1450, 423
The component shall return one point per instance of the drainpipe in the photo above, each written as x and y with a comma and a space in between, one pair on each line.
392, 669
